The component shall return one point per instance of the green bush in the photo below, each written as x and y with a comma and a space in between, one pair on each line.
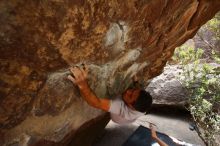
214, 25
202, 81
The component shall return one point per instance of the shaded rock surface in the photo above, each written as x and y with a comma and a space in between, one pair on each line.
39, 40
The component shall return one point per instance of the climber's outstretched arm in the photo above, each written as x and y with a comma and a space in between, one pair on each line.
154, 136
79, 78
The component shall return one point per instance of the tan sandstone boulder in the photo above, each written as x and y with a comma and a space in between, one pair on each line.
40, 40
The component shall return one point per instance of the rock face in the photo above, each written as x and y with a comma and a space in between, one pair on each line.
167, 90
39, 40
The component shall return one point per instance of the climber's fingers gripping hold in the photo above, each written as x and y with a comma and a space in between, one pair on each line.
71, 78
85, 70
77, 73
79, 76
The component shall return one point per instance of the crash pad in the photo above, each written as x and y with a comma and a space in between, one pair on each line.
142, 137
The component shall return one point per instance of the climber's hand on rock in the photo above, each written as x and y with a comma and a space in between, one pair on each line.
79, 76
153, 132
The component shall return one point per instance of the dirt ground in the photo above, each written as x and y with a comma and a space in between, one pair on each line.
176, 125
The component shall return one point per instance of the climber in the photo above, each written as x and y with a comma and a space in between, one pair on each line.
125, 109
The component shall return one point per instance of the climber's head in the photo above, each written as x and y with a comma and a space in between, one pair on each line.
138, 99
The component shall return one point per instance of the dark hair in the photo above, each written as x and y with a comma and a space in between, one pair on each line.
143, 102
